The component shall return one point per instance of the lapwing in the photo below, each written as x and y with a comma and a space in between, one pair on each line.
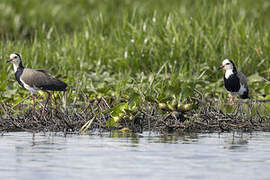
35, 79
234, 80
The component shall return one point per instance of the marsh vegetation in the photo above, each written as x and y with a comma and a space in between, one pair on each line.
126, 60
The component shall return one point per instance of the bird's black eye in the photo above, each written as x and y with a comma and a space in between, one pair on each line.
227, 63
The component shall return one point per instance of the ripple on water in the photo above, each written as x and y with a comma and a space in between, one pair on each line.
144, 156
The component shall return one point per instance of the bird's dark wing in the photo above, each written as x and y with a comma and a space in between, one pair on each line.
42, 70
242, 79
41, 79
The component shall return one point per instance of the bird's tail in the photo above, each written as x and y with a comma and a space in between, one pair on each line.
245, 95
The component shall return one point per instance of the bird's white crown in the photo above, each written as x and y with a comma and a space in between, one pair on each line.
14, 56
227, 64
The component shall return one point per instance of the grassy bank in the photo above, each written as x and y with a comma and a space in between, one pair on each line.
136, 51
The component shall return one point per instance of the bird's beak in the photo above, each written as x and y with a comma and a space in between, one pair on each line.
9, 60
220, 67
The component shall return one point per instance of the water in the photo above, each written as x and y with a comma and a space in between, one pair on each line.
144, 157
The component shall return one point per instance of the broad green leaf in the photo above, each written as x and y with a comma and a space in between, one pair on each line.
150, 99
267, 89
255, 78
120, 107
111, 123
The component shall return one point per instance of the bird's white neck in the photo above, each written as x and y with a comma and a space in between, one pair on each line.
15, 67
228, 73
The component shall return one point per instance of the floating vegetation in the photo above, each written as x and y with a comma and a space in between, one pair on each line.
103, 116
138, 65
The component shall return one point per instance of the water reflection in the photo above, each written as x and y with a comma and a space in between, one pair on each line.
144, 156
237, 141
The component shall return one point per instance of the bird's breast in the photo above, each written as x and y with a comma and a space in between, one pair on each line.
232, 83
18, 74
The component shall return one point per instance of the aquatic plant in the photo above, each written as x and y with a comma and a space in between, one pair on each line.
136, 52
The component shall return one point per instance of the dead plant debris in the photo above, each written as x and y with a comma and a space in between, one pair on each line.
148, 117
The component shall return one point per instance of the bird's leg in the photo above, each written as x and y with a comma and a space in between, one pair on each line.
48, 98
242, 113
65, 100
250, 112
34, 104
233, 101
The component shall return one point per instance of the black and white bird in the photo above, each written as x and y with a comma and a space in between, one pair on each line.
234, 80
35, 79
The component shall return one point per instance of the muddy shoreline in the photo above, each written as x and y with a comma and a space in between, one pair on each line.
148, 117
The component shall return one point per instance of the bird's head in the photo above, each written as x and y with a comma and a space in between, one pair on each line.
227, 65
15, 59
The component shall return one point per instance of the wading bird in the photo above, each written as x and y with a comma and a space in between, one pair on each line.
234, 80
35, 79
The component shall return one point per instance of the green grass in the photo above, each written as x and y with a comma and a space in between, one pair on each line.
154, 49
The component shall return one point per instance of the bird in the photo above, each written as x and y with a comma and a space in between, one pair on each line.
35, 79
235, 81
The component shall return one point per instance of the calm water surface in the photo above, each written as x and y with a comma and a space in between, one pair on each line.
145, 156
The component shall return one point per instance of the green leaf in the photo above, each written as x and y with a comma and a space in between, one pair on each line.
135, 97
111, 123
150, 99
267, 89
255, 78
164, 99
187, 92
120, 107
266, 97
